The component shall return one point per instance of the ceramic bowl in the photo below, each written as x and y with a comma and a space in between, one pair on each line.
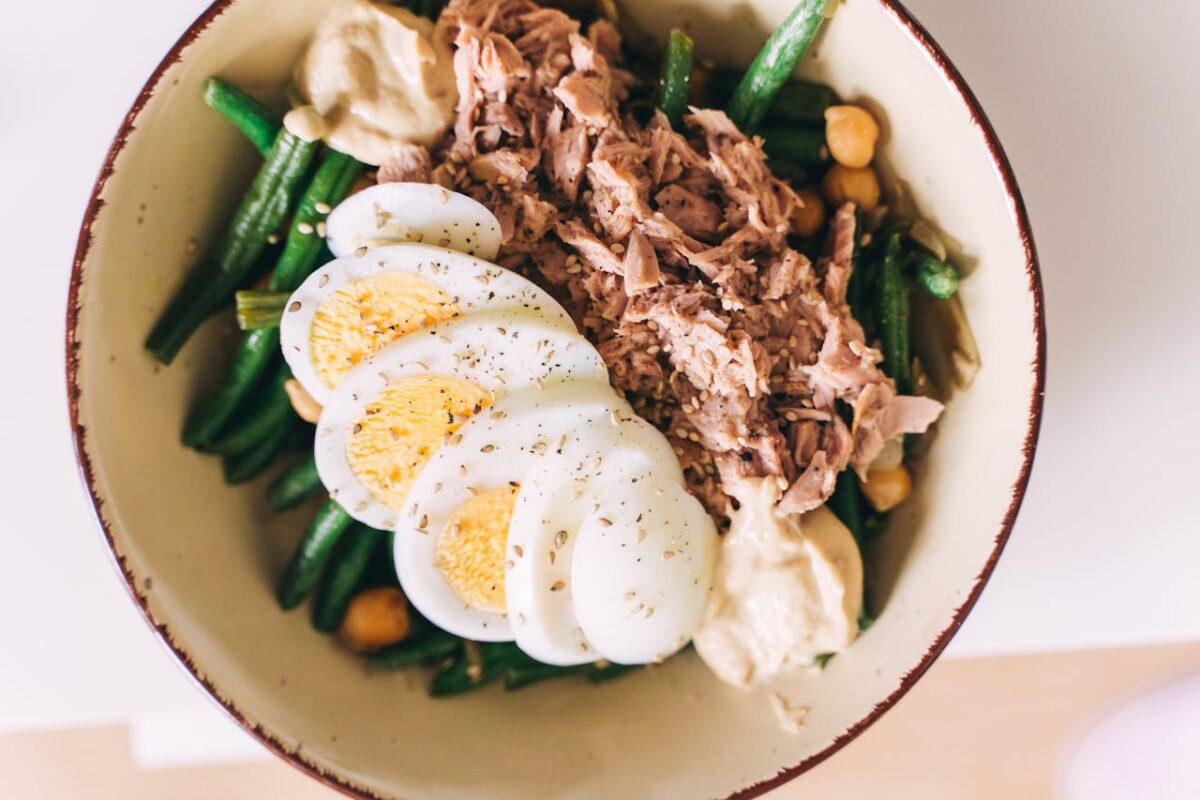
201, 559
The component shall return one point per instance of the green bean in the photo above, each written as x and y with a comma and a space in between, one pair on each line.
304, 247
935, 276
797, 100
891, 311
523, 674
774, 64
247, 465
247, 114
293, 487
874, 522
428, 648
304, 567
846, 504
329, 186
344, 577
604, 671
259, 309
216, 277
272, 411
480, 664
803, 145
675, 81
258, 349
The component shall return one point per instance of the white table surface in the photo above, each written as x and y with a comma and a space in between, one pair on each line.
1097, 108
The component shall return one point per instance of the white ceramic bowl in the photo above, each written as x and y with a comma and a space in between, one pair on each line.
201, 559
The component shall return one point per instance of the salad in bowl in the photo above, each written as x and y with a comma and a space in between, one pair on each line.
572, 357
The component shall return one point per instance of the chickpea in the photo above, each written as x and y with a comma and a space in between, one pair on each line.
859, 186
887, 488
376, 618
303, 404
809, 214
850, 133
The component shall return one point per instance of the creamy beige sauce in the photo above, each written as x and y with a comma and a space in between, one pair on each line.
786, 589
376, 77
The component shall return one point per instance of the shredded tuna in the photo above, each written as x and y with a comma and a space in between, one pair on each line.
410, 163
672, 250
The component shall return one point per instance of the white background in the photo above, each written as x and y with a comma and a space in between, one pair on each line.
1096, 105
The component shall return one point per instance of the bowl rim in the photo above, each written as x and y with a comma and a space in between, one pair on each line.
1020, 218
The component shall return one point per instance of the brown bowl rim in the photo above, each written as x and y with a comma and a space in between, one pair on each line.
343, 784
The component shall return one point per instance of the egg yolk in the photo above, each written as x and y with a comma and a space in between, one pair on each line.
470, 551
361, 317
403, 426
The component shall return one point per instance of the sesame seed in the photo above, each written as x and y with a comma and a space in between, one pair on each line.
560, 539
552, 556
618, 248
272, 238
321, 229
557, 586
322, 208
614, 417
604, 522
667, 555
305, 228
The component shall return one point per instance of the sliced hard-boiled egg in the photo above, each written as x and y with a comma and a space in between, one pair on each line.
355, 305
641, 571
450, 558
412, 212
618, 450
385, 419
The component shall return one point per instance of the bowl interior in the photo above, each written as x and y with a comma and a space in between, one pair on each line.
202, 559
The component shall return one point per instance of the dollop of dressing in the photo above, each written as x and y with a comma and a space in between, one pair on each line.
377, 76
787, 588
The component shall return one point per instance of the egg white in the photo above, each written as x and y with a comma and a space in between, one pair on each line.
502, 444
473, 284
642, 570
556, 498
503, 350
412, 212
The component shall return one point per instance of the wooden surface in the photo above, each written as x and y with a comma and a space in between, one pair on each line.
988, 729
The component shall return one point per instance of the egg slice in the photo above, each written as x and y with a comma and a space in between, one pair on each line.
355, 305
451, 560
619, 450
394, 410
641, 571
412, 212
